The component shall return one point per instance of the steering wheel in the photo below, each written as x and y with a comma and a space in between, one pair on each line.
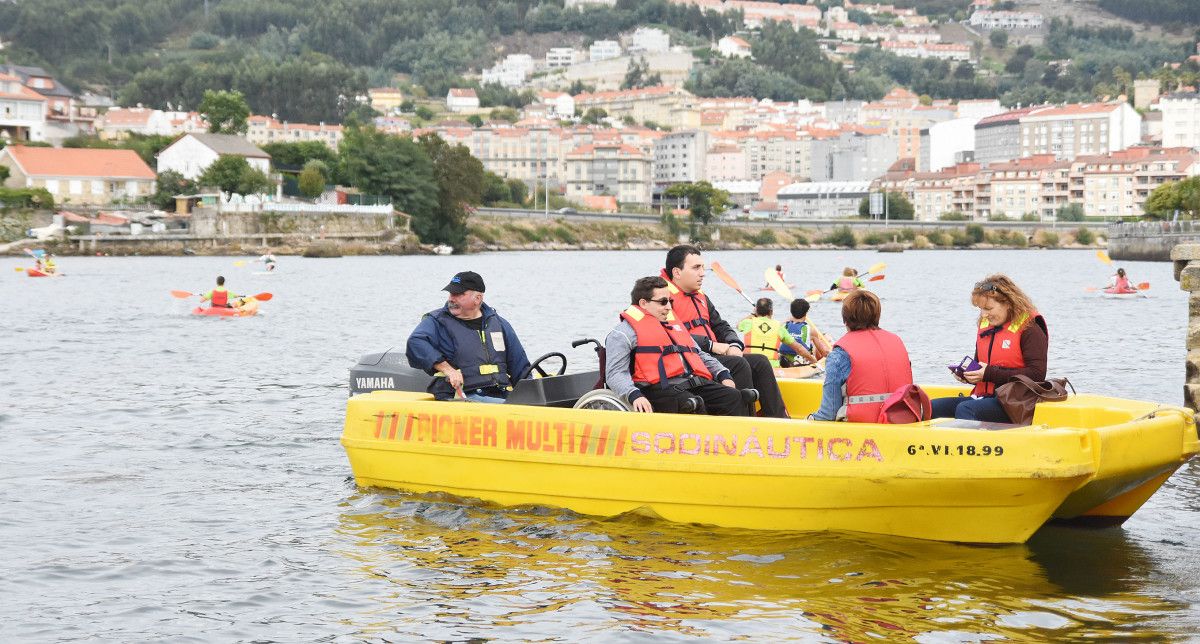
536, 367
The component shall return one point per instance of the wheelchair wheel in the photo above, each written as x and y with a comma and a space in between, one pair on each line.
605, 399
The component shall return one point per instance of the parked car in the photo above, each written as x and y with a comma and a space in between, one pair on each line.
567, 211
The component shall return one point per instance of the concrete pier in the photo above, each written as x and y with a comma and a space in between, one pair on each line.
1187, 271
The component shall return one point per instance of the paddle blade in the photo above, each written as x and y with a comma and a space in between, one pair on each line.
1103, 256
813, 297
240, 263
725, 276
263, 297
877, 278
18, 268
877, 267
1090, 289
1143, 286
776, 282
182, 294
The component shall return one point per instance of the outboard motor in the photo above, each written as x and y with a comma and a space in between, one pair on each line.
387, 370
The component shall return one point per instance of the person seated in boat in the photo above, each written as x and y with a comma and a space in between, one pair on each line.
1011, 339
764, 335
804, 333
656, 364
37, 264
220, 297
1119, 283
684, 273
48, 265
849, 281
470, 350
779, 272
866, 365
268, 260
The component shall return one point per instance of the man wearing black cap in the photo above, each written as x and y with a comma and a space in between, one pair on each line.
467, 346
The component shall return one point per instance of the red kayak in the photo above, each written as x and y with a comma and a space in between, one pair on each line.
33, 272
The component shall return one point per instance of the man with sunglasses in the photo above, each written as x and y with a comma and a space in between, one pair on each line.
470, 350
684, 273
656, 365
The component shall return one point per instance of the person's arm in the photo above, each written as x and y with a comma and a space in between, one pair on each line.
618, 352
206, 297
518, 361
789, 340
719, 372
821, 346
1034, 348
837, 372
723, 332
424, 347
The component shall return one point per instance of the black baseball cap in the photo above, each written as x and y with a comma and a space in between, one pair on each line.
465, 281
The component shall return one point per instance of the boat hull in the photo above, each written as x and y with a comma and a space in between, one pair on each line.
759, 473
33, 272
247, 309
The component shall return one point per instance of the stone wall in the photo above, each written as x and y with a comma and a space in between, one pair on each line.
210, 222
1187, 271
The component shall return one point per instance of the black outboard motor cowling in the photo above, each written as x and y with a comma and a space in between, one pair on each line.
387, 370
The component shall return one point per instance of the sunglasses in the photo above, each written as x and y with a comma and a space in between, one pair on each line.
666, 301
984, 287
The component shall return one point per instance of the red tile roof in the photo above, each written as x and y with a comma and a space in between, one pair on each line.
80, 162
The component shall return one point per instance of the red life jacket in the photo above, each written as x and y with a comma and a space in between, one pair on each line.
689, 309
663, 350
879, 366
1001, 346
220, 297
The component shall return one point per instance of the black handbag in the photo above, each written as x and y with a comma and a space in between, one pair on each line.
1021, 395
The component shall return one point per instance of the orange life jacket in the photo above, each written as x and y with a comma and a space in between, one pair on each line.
663, 350
1001, 346
220, 297
879, 365
689, 309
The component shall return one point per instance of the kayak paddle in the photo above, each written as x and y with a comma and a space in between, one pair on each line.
1103, 256
777, 283
729, 281
183, 295
18, 268
813, 296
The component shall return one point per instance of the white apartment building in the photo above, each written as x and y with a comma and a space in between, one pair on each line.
609, 168
946, 144
22, 111
575, 4
984, 19
649, 39
264, 129
604, 50
462, 99
680, 157
1180, 120
939, 51
510, 72
1078, 129
561, 104
726, 162
562, 57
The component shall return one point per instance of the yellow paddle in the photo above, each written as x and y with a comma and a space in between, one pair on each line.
240, 263
781, 287
18, 268
730, 282
1103, 256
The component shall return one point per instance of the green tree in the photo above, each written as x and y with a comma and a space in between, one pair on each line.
1070, 212
518, 191
1182, 196
383, 164
225, 111
231, 173
505, 114
998, 39
898, 207
169, 184
460, 182
3, 174
312, 179
424, 113
494, 189
475, 120
594, 116
296, 155
638, 75
703, 200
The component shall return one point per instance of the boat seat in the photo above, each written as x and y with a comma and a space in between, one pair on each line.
555, 391
958, 423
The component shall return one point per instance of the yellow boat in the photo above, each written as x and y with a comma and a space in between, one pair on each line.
1089, 457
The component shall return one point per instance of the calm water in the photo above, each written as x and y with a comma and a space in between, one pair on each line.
164, 477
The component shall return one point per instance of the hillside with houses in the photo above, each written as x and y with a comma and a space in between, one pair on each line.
968, 109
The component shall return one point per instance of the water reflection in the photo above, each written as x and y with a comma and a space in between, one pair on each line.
463, 565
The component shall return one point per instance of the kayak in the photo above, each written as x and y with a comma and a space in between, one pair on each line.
1089, 459
1114, 294
248, 308
33, 272
838, 296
